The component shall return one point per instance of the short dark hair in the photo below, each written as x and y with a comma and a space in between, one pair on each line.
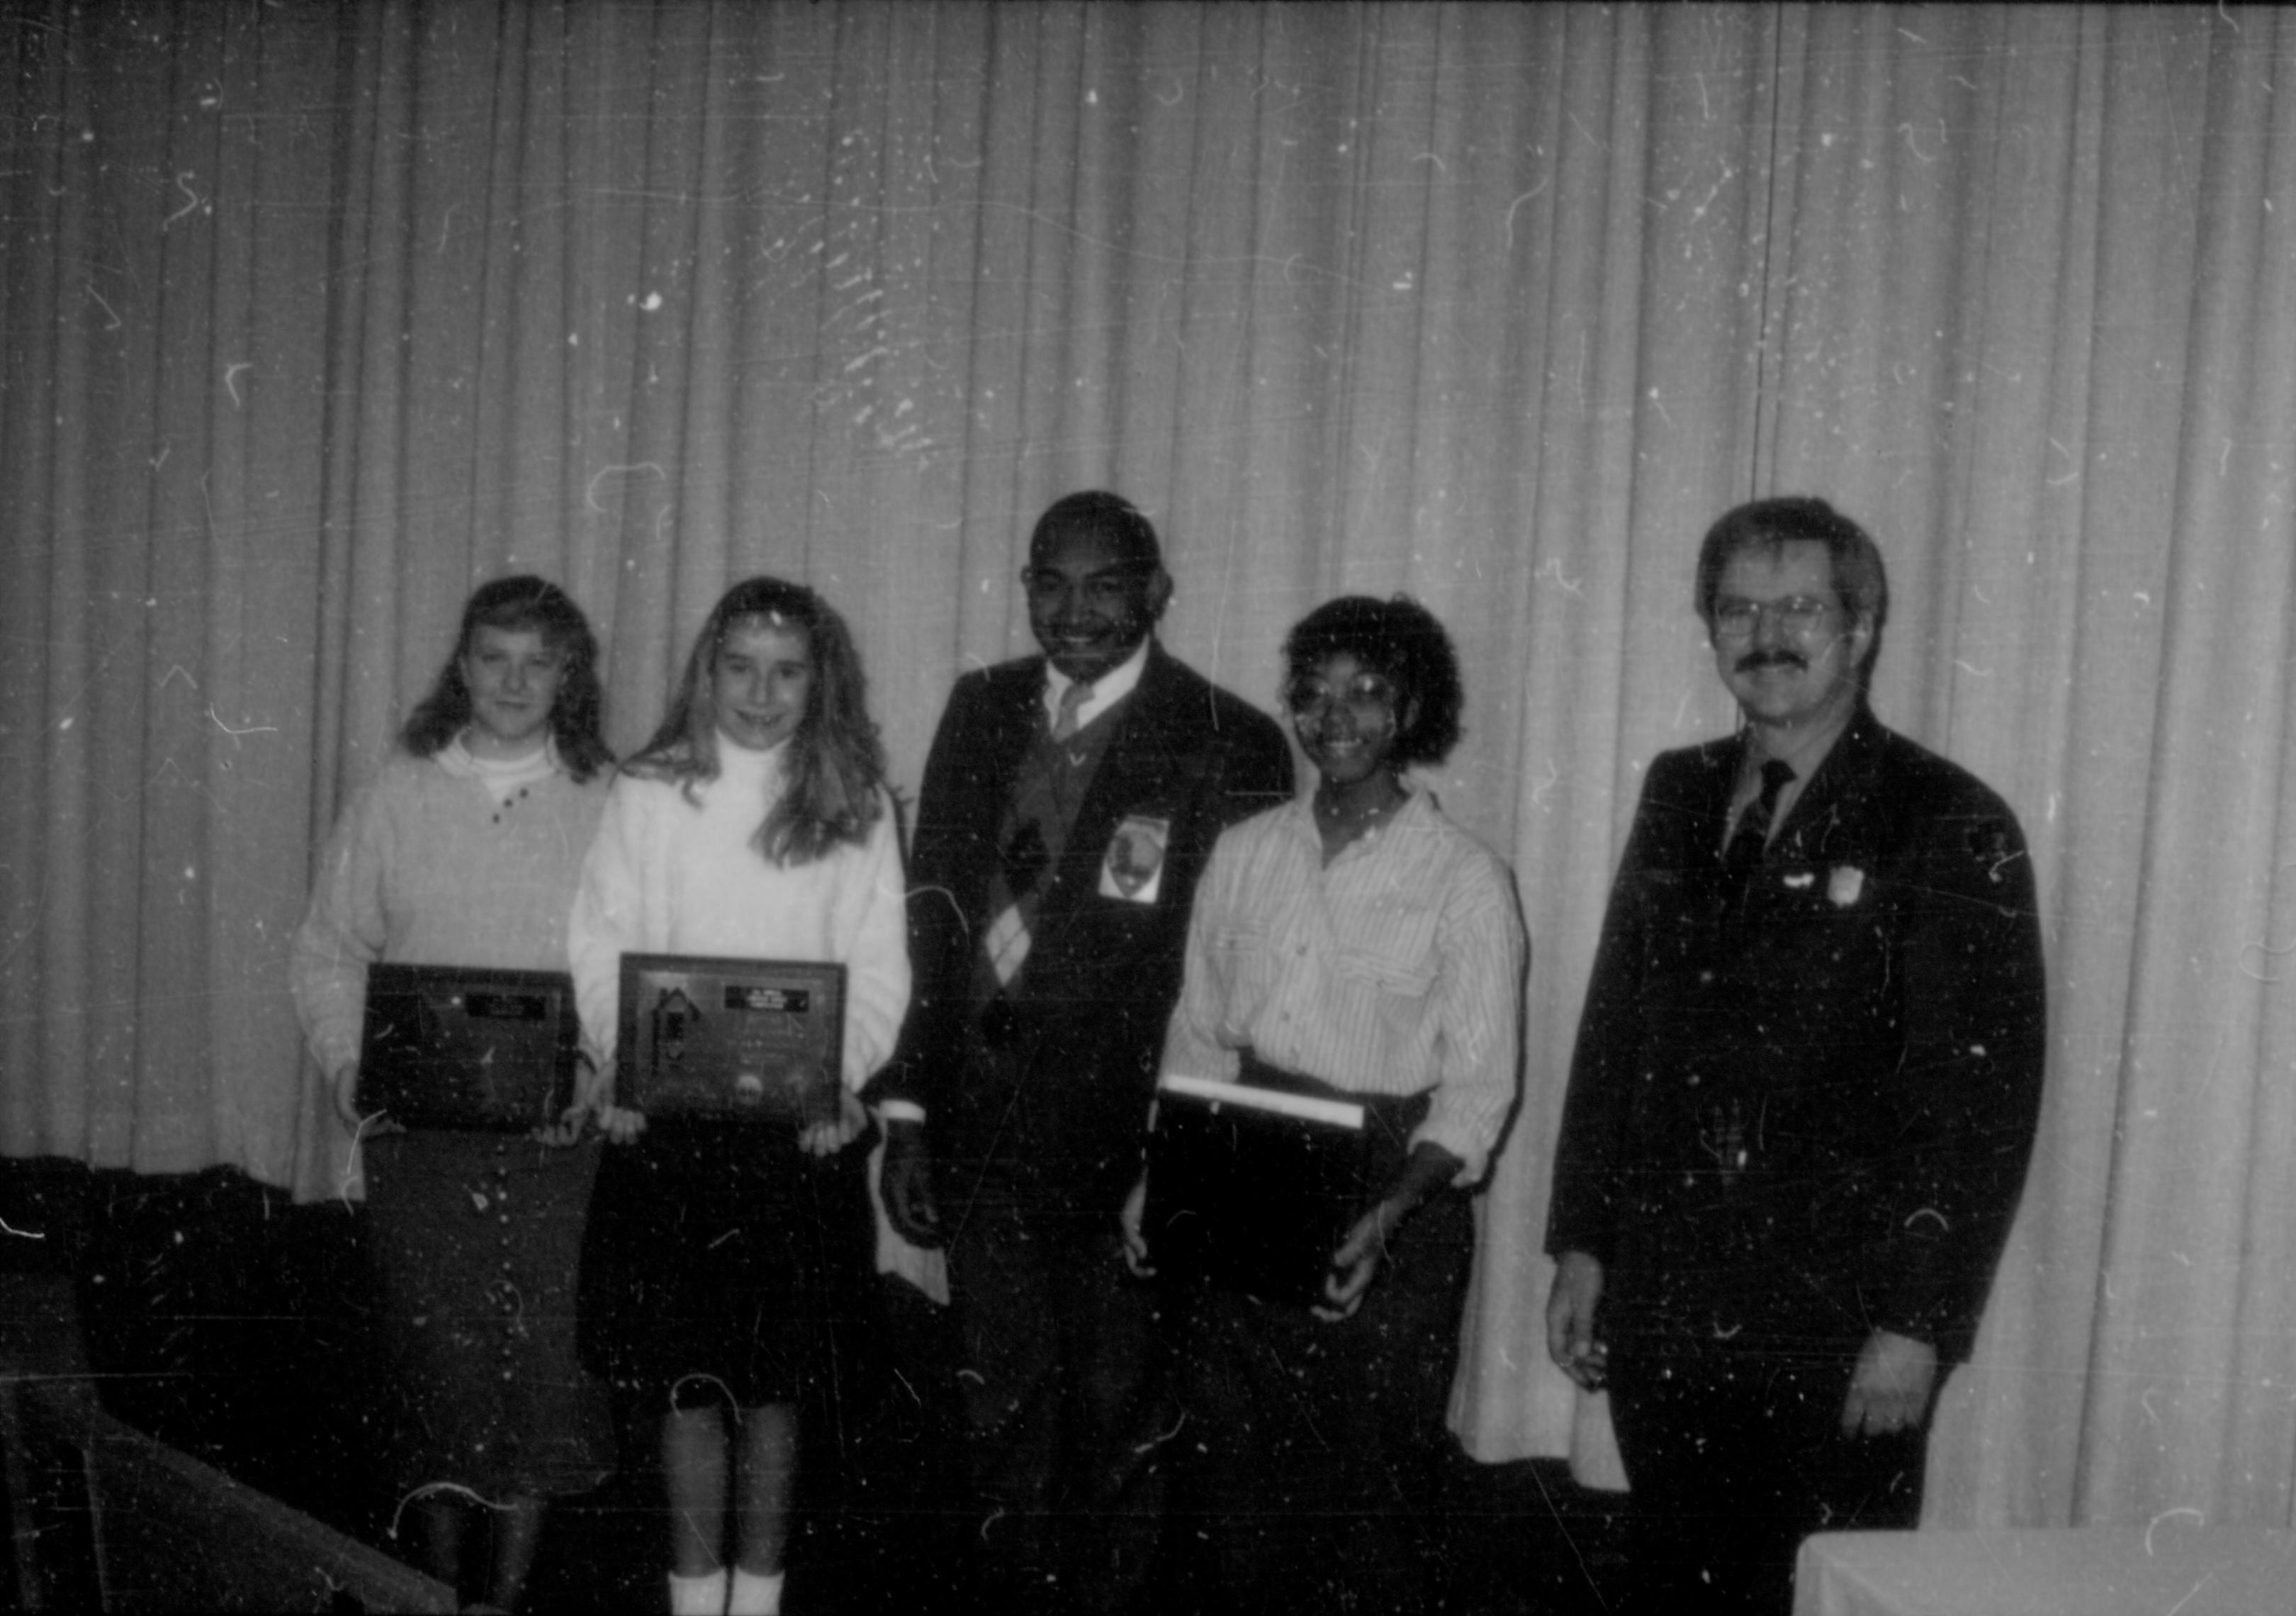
522, 602
1860, 578
1399, 638
1112, 516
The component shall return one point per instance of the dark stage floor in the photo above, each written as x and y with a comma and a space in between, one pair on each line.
233, 1325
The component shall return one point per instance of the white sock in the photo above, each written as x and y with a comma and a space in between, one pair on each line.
755, 1596
697, 1595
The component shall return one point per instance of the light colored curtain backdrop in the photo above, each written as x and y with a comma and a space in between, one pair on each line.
316, 317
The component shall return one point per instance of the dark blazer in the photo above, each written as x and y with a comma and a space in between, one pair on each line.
1802, 1111
1065, 1108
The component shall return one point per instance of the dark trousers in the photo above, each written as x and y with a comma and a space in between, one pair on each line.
1733, 1459
1313, 1470
1065, 1407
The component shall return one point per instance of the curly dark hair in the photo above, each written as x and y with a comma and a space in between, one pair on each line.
1401, 639
835, 764
578, 716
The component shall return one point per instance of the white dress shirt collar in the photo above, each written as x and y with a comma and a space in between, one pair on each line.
1107, 691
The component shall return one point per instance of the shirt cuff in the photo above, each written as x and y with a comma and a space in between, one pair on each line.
1474, 1162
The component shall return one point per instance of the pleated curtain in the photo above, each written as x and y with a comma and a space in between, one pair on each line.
313, 318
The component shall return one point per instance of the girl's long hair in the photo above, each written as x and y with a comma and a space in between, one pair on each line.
524, 602
834, 767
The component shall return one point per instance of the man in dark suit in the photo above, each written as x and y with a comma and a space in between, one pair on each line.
1070, 802
1804, 1093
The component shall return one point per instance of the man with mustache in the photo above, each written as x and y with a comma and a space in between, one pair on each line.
1804, 1093
1069, 804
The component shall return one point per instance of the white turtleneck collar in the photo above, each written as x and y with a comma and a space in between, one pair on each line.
501, 779
739, 762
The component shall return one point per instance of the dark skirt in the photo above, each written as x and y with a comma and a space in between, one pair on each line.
712, 1267
475, 1239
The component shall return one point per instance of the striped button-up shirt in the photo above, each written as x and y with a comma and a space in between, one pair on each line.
1398, 969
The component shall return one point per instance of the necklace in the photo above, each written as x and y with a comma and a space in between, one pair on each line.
1343, 821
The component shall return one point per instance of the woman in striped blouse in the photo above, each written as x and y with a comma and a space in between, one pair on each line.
1354, 944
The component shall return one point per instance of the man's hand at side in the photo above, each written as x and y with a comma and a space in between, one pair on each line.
1890, 1388
907, 1190
1570, 1305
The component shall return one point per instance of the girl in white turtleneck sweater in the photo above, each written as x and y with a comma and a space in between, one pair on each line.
756, 824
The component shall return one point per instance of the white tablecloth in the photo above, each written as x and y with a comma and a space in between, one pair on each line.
2174, 1568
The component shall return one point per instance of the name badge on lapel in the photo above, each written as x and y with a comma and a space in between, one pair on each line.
1133, 868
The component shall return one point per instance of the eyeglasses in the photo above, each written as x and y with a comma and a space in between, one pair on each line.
1366, 693
1737, 618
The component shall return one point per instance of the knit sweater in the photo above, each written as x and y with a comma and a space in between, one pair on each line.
429, 868
676, 873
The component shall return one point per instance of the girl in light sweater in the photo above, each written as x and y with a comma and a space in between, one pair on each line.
463, 851
756, 824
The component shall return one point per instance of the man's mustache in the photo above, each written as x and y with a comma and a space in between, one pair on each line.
1780, 657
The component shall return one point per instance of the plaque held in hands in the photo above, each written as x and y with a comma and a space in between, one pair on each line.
467, 1047
707, 1038
1252, 1189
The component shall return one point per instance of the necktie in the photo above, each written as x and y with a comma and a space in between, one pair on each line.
1007, 940
1072, 701
1754, 831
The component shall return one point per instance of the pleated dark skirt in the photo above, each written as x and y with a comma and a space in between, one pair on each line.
711, 1266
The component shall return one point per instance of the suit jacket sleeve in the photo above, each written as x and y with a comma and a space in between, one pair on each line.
949, 862
1966, 1093
1591, 1148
